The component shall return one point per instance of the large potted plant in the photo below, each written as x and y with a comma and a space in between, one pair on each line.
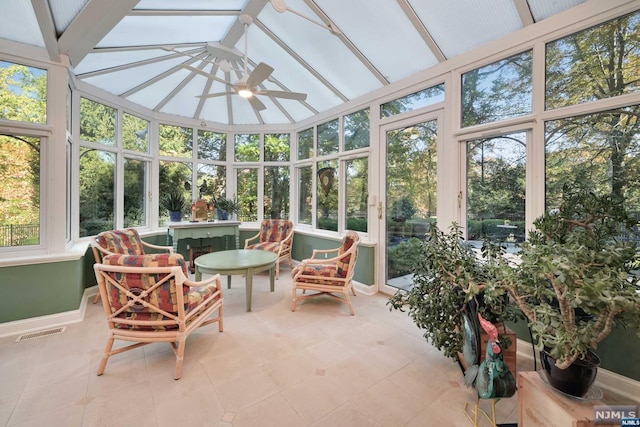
573, 282
447, 293
175, 203
226, 207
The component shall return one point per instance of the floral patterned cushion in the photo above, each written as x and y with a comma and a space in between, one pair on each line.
266, 246
316, 273
343, 263
126, 242
164, 297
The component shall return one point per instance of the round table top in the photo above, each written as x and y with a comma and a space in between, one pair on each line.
235, 259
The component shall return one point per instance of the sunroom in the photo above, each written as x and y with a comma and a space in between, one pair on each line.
379, 117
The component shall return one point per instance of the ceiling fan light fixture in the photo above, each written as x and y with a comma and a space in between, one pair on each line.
245, 93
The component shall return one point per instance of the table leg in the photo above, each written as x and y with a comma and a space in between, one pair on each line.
249, 278
229, 281
198, 274
272, 273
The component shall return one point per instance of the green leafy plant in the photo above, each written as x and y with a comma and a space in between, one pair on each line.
448, 276
573, 280
174, 202
402, 209
227, 205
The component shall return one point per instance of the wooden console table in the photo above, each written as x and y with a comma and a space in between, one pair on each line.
205, 230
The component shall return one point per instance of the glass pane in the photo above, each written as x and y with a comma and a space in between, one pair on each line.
135, 189
97, 191
411, 189
327, 195
414, 101
276, 147
276, 192
305, 144
23, 93
174, 177
212, 145
598, 151
597, 63
176, 141
135, 133
498, 91
247, 179
97, 123
212, 182
247, 148
357, 189
496, 169
305, 195
20, 190
356, 130
328, 138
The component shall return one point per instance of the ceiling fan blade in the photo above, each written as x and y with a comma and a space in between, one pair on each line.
283, 94
208, 75
256, 103
259, 74
213, 95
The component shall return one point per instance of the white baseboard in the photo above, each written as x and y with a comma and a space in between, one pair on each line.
33, 324
615, 383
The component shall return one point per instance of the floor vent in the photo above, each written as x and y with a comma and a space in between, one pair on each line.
38, 334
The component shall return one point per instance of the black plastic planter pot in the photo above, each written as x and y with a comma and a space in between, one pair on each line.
574, 380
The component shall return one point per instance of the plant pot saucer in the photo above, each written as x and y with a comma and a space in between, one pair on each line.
593, 394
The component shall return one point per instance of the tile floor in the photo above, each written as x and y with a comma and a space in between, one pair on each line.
317, 366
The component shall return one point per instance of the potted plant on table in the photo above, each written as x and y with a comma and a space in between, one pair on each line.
226, 207
573, 282
175, 203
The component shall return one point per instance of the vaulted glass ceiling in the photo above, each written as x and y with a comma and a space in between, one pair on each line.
331, 50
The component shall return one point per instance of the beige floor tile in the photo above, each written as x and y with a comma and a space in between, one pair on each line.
245, 390
70, 416
347, 415
126, 403
389, 404
316, 396
273, 411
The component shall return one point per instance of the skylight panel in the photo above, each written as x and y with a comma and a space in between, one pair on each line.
64, 12
18, 23
542, 9
103, 60
192, 4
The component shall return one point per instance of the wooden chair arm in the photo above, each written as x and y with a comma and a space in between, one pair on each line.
205, 282
323, 251
152, 246
246, 242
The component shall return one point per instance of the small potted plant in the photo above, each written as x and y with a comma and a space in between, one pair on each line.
573, 282
175, 203
225, 208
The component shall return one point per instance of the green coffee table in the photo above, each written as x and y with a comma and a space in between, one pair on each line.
238, 261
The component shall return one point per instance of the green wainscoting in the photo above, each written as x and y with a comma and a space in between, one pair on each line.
619, 352
36, 290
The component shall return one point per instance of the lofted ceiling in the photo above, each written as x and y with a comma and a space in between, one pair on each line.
167, 55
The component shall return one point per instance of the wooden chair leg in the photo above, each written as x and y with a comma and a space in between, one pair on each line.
348, 301
180, 358
293, 301
105, 356
96, 298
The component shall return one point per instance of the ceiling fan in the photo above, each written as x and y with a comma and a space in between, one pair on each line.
247, 85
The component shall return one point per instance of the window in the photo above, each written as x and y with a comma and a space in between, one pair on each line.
276, 147
97, 123
599, 151
23, 93
305, 144
498, 91
328, 138
327, 195
356, 130
135, 190
357, 194
305, 194
247, 184
20, 190
413, 101
276, 192
174, 177
135, 133
97, 191
212, 182
212, 145
597, 63
176, 141
496, 169
247, 148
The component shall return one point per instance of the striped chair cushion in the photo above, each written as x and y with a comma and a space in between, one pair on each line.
274, 230
316, 273
266, 246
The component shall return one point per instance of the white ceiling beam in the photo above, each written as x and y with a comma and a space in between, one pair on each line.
235, 33
422, 30
525, 12
182, 84
183, 12
47, 27
146, 47
157, 78
94, 21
